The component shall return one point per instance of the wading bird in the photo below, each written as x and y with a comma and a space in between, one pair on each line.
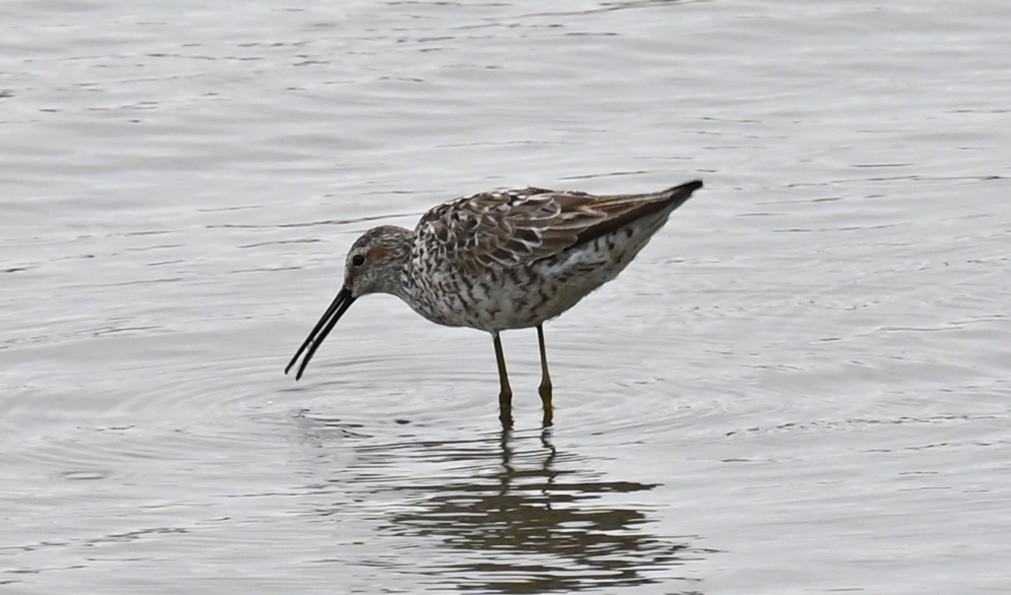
501, 260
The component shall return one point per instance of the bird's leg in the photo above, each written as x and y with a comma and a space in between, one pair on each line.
505, 396
545, 388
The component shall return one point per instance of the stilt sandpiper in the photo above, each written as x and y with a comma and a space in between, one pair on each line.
501, 260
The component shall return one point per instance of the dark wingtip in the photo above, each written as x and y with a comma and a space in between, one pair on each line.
689, 186
677, 195
682, 192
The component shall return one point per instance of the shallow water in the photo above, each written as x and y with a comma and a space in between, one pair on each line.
801, 386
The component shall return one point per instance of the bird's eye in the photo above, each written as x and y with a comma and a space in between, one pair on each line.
357, 260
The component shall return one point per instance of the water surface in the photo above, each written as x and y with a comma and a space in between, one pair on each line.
801, 386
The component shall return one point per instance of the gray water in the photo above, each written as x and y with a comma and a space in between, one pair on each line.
803, 385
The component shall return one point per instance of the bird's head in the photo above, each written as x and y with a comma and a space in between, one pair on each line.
376, 260
374, 264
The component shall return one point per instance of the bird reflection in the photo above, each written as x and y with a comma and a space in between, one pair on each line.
532, 521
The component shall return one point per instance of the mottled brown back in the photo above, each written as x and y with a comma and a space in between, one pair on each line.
515, 227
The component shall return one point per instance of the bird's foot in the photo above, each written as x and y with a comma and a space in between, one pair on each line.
549, 411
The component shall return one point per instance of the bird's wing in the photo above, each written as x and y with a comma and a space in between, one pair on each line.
515, 227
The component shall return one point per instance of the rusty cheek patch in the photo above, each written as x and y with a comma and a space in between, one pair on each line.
376, 254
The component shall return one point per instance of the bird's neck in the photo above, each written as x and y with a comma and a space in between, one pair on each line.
415, 278
406, 287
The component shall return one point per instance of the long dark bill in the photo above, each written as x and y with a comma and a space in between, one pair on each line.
333, 313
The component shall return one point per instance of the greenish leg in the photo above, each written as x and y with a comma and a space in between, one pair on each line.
545, 388
505, 396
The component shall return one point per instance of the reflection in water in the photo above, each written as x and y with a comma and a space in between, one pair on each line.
519, 520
